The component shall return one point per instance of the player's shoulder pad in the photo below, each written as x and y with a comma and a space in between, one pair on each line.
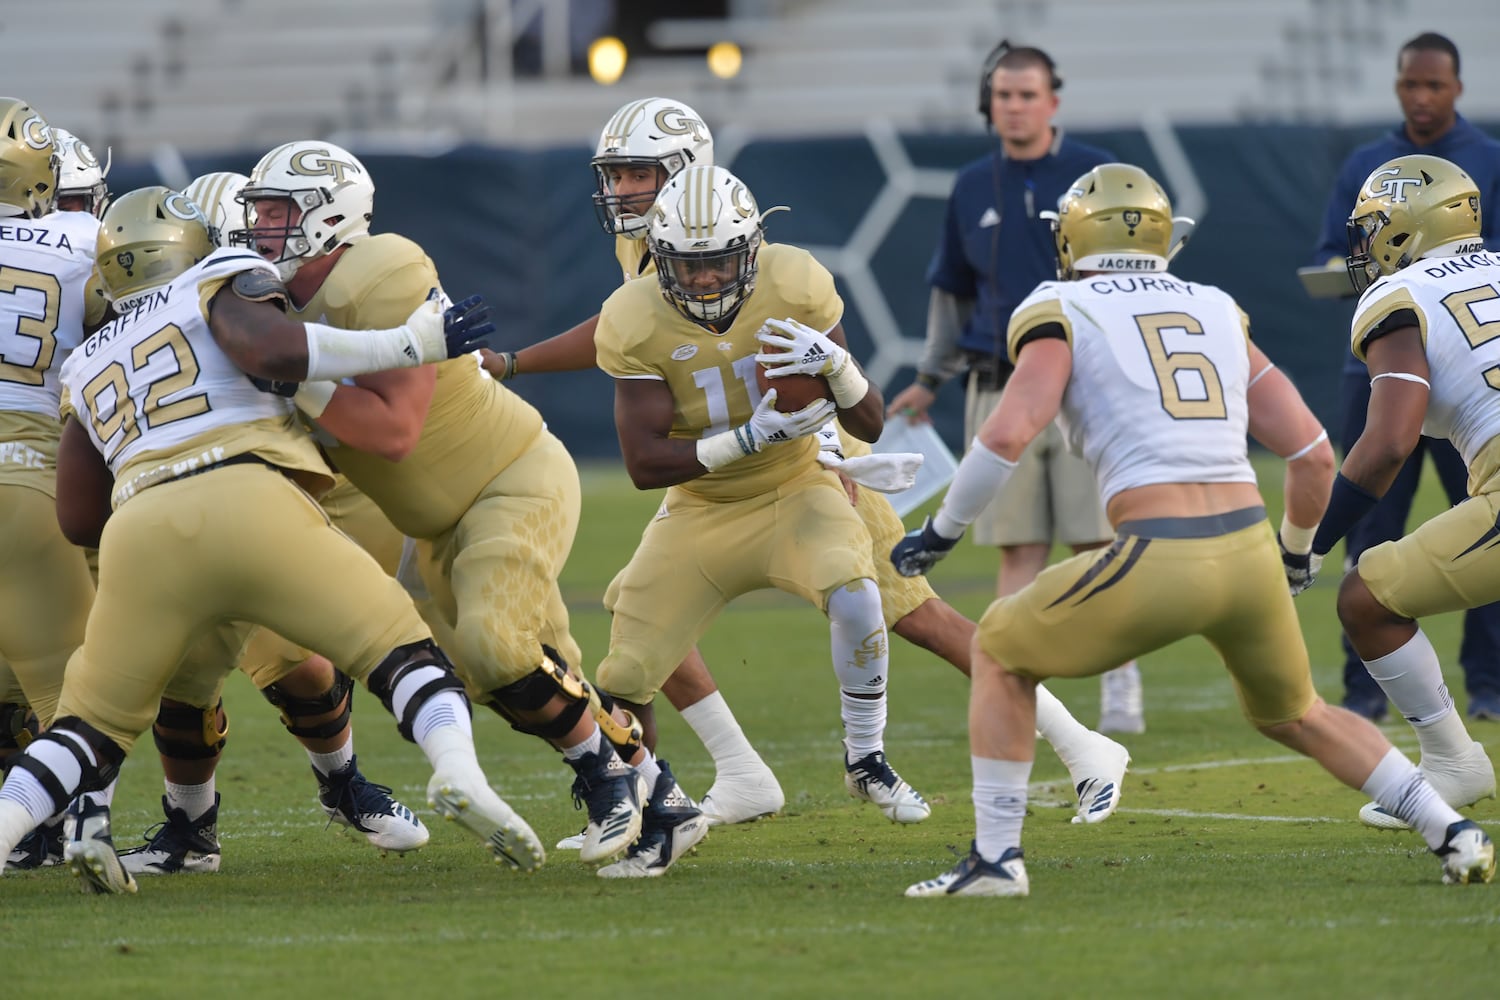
260, 286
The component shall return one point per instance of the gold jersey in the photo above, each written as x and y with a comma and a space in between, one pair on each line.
634, 258
475, 426
711, 373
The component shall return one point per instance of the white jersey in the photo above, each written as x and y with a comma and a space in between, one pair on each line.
1160, 371
1455, 302
44, 265
155, 378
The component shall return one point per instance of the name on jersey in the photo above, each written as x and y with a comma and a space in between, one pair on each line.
16, 453
1438, 267
36, 237
1108, 286
149, 302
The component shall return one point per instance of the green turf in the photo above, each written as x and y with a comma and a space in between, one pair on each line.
1231, 869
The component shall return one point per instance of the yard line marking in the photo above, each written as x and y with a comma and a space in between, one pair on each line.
1191, 814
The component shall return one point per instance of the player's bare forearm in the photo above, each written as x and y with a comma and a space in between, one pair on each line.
258, 337
644, 412
662, 462
865, 419
570, 351
1281, 420
382, 413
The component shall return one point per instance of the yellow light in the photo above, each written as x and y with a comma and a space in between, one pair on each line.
724, 60
607, 58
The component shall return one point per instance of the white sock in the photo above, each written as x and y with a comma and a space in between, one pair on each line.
444, 709
326, 763
650, 770
26, 793
194, 800
450, 747
16, 820
999, 804
1055, 724
864, 724
713, 722
105, 796
1412, 679
1398, 786
590, 744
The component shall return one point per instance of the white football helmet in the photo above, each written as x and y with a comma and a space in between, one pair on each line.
705, 231
655, 132
218, 196
79, 174
330, 191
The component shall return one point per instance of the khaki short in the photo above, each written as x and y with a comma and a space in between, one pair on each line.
1051, 497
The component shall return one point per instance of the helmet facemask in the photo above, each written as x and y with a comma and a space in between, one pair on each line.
625, 214
321, 216
708, 286
656, 132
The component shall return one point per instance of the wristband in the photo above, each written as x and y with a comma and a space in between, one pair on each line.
1346, 504
929, 382
1295, 540
509, 357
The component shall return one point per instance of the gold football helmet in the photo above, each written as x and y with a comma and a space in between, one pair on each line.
1113, 218
147, 238
1411, 207
28, 161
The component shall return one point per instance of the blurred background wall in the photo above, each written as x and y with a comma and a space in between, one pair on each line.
477, 119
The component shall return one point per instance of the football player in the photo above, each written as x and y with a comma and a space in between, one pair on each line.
747, 496
642, 146
1425, 326
208, 478
1159, 382
458, 463
45, 587
80, 178
315, 700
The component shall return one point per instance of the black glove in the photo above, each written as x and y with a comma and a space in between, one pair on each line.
921, 549
466, 326
1301, 570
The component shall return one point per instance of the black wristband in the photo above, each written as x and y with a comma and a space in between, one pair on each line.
929, 382
510, 365
1346, 504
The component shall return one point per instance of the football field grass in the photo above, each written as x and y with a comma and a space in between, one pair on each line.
1233, 867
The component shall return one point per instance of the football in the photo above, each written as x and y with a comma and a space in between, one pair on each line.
793, 392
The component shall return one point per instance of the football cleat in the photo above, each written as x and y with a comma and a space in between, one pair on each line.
351, 800
1120, 705
1467, 853
90, 850
41, 848
1098, 777
873, 779
575, 842
742, 797
974, 876
671, 826
467, 798
1459, 782
613, 792
177, 845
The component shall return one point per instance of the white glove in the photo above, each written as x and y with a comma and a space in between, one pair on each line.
767, 425
887, 472
795, 348
425, 324
828, 439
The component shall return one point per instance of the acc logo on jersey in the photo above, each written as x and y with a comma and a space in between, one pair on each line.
35, 133
684, 352
319, 163
1393, 187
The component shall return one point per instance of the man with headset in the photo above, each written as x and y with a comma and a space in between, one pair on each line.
994, 249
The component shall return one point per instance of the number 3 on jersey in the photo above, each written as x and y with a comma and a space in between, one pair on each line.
36, 320
1190, 385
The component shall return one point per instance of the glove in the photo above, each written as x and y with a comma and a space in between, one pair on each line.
797, 349
1301, 569
450, 333
888, 472
274, 387
769, 425
920, 550
828, 440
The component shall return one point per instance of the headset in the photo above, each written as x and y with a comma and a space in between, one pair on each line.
992, 63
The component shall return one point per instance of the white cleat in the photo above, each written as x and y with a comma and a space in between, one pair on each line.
1098, 778
974, 876
350, 799
673, 825
873, 779
89, 850
575, 842
1459, 782
470, 801
1468, 855
742, 797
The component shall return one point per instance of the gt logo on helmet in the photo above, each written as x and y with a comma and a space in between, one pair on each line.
318, 163
1393, 187
35, 133
184, 208
675, 121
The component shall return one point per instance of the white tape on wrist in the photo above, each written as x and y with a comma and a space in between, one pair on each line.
312, 398
334, 353
718, 451
1295, 539
849, 385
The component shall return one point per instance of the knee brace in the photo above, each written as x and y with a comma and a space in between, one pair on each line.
174, 716
94, 776
402, 662
516, 701
293, 708
18, 727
